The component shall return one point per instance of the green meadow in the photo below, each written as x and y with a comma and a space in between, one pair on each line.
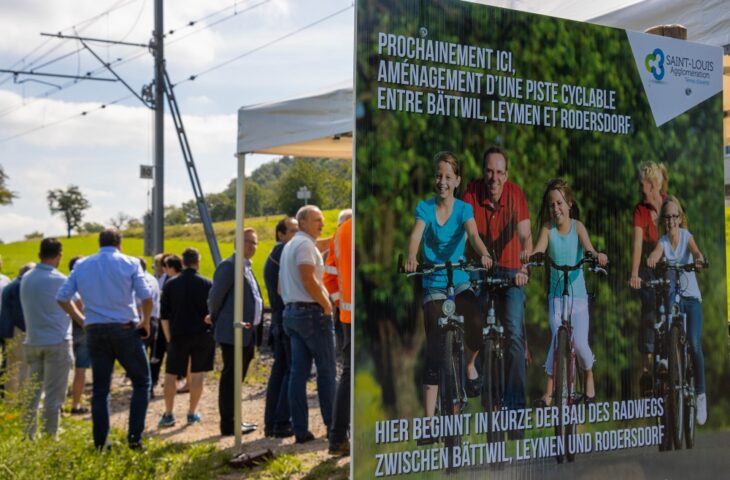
177, 238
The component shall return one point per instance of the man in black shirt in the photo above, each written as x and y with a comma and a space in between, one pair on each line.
183, 311
276, 414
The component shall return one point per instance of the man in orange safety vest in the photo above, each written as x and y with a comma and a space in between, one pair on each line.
338, 280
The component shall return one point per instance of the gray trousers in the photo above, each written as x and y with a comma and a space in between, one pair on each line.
49, 367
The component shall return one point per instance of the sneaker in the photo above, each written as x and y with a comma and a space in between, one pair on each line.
79, 411
473, 387
701, 408
193, 418
663, 365
166, 420
304, 437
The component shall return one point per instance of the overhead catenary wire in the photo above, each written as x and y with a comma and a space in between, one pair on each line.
66, 119
49, 93
190, 78
80, 25
123, 61
262, 46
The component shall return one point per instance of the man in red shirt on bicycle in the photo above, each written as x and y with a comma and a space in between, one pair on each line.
503, 221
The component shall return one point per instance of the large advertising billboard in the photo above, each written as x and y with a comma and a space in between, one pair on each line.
540, 245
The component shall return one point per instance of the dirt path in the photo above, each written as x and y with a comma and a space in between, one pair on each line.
253, 402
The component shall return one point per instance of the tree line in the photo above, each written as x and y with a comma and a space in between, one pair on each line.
270, 189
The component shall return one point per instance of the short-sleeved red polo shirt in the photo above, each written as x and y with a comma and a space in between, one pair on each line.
642, 219
497, 223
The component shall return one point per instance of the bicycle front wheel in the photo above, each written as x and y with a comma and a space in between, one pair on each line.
690, 404
450, 391
491, 390
562, 390
676, 388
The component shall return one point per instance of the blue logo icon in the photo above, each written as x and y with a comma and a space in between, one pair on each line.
654, 63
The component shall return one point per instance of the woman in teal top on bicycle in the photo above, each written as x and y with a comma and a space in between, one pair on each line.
443, 223
566, 241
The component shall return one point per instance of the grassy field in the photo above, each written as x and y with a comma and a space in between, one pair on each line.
177, 238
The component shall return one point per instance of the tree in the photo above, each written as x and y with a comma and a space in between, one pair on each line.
69, 204
6, 196
174, 215
300, 174
92, 227
120, 220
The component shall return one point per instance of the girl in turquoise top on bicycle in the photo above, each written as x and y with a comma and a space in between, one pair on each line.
443, 223
566, 241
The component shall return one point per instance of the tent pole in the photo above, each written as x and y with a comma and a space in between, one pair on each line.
238, 300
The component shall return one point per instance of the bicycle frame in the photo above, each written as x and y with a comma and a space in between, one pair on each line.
493, 377
452, 396
682, 416
564, 391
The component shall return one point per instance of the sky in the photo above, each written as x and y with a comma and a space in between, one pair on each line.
45, 142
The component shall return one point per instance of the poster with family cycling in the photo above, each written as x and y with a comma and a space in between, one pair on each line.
540, 243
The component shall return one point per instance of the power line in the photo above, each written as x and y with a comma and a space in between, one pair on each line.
267, 44
64, 120
48, 93
119, 62
81, 25
190, 78
221, 20
192, 23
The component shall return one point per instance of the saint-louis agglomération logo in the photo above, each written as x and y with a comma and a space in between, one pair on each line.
654, 63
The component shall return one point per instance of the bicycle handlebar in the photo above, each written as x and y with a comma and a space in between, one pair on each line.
431, 268
539, 259
663, 267
495, 282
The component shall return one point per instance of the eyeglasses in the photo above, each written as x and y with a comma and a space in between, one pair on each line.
671, 217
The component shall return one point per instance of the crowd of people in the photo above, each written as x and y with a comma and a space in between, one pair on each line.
110, 309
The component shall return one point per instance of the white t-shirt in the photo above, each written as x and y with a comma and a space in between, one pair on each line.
300, 250
688, 286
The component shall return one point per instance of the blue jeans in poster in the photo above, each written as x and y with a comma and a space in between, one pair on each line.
107, 343
693, 308
312, 336
510, 304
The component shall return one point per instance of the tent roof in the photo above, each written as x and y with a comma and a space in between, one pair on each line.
312, 126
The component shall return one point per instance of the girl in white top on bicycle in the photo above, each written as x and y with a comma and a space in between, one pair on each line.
678, 246
566, 241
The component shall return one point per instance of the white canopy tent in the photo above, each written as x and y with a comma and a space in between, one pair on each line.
318, 126
322, 125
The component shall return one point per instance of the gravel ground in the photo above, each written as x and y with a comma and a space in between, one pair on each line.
253, 397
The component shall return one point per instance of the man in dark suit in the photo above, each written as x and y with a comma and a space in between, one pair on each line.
220, 305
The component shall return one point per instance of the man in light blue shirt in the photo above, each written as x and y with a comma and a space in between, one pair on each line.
108, 282
48, 338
